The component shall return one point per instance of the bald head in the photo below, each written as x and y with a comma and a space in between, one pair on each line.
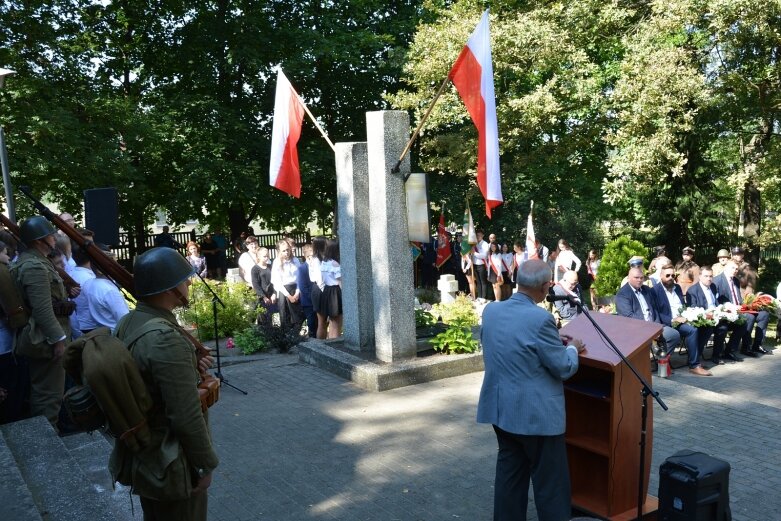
636, 277
533, 273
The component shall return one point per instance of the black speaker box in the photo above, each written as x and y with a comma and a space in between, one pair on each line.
694, 487
101, 214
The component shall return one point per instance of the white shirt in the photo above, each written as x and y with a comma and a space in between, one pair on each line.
246, 263
643, 304
81, 275
466, 264
565, 259
106, 304
285, 273
674, 301
480, 253
315, 274
507, 261
332, 272
709, 296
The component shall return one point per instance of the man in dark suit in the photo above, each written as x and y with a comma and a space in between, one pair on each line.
523, 398
635, 300
669, 304
705, 295
729, 291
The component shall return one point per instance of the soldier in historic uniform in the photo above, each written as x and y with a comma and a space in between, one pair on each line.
42, 340
172, 474
687, 271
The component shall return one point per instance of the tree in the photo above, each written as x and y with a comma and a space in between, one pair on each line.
553, 63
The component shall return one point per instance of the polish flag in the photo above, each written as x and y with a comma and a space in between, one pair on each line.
473, 76
288, 116
531, 242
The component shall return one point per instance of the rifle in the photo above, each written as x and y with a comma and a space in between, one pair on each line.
13, 229
209, 388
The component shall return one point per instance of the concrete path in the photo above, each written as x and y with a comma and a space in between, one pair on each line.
305, 445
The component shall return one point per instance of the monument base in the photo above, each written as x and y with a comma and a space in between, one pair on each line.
375, 375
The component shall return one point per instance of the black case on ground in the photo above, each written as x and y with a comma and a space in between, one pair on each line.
694, 487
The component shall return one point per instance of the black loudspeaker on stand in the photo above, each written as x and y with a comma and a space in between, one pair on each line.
101, 214
216, 300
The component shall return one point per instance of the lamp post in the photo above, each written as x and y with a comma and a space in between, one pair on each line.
9, 193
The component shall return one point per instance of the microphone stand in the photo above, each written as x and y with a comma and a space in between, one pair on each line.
646, 391
216, 299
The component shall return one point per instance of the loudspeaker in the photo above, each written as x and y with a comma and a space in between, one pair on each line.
694, 487
101, 214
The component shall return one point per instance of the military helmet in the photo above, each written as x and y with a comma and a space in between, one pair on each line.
35, 227
159, 270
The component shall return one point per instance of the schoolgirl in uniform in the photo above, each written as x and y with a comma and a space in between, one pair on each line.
331, 299
495, 269
315, 275
507, 271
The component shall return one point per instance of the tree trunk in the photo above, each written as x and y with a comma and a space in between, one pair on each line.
750, 220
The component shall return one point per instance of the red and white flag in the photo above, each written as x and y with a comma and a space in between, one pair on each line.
531, 241
284, 173
473, 76
443, 241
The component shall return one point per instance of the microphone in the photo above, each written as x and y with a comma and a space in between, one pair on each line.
552, 297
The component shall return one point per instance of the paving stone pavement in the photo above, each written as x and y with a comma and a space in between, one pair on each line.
306, 445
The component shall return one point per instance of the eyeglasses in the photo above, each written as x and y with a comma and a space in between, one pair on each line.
667, 276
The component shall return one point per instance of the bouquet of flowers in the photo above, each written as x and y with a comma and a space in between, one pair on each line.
760, 302
698, 317
729, 312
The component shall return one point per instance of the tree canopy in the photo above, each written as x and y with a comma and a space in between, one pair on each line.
659, 119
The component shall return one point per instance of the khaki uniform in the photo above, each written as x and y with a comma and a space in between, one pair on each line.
747, 276
164, 473
42, 289
688, 274
718, 269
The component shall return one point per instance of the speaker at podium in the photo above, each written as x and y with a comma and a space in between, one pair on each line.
101, 214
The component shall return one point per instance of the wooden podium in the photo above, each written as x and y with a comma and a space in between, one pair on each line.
604, 405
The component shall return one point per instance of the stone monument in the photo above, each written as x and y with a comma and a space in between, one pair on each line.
393, 290
352, 187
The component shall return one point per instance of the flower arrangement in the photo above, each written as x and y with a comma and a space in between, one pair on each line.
698, 317
728, 312
759, 302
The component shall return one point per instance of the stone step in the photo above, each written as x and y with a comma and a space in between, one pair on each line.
91, 452
58, 485
15, 498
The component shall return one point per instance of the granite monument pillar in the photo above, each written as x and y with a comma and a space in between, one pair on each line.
352, 187
393, 286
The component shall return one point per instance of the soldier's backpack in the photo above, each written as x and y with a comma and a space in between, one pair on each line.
110, 391
11, 300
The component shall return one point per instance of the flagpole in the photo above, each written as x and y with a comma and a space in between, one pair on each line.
322, 132
395, 169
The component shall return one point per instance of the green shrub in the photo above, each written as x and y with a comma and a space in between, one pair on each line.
424, 318
276, 338
462, 310
237, 314
457, 338
250, 340
614, 267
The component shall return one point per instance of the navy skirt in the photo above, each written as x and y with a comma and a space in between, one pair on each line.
315, 296
331, 301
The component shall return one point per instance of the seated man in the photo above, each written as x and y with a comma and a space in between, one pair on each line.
635, 300
656, 277
747, 276
669, 304
568, 285
728, 291
705, 295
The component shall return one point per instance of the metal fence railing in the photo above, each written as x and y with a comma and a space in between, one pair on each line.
126, 248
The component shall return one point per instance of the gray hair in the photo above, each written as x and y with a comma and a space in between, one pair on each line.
533, 274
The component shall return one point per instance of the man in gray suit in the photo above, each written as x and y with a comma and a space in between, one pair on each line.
523, 398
